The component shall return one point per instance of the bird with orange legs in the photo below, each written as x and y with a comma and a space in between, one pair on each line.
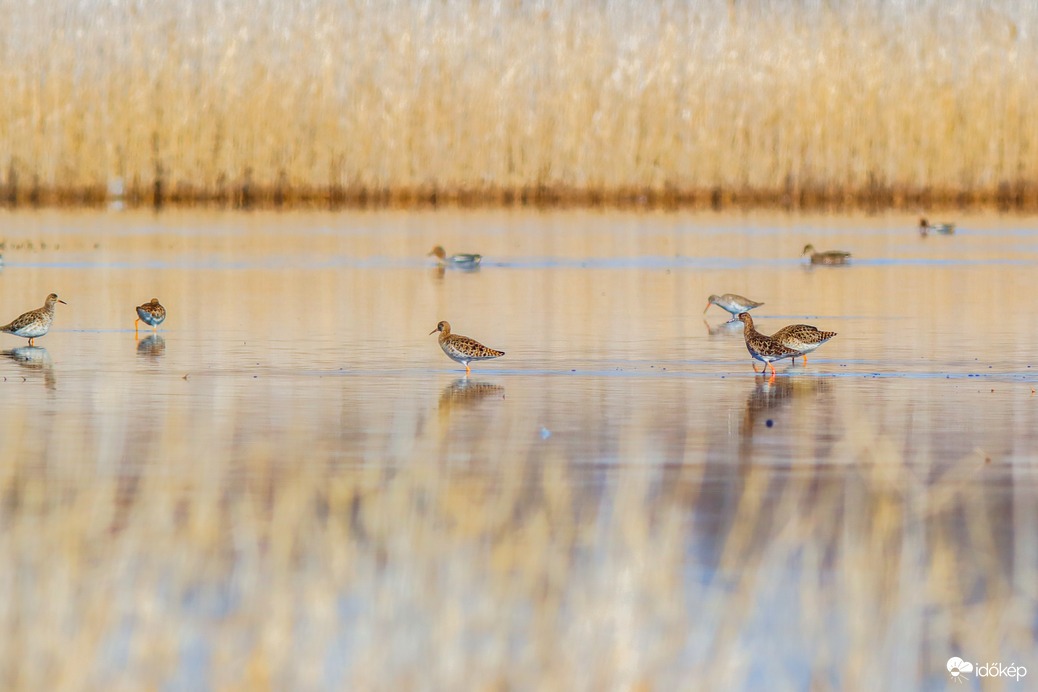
34, 323
462, 349
803, 338
763, 347
151, 313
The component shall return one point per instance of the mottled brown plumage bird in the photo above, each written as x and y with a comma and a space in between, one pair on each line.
762, 347
35, 322
461, 348
151, 313
803, 338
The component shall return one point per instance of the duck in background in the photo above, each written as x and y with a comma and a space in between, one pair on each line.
827, 257
464, 261
926, 228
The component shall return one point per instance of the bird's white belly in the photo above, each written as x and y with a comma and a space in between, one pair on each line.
32, 330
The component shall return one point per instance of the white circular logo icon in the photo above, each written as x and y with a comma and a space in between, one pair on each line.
958, 668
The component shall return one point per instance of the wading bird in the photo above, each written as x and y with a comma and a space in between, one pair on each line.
762, 347
35, 322
461, 348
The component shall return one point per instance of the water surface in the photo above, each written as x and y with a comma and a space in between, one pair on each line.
290, 486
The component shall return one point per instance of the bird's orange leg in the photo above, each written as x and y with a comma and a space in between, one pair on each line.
753, 364
467, 369
805, 360
772, 368
30, 341
135, 323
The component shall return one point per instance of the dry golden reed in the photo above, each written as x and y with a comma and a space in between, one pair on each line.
507, 101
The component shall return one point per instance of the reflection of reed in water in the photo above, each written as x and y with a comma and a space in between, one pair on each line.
153, 346
628, 570
34, 358
462, 392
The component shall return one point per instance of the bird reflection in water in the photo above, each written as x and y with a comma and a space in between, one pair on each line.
724, 328
153, 346
36, 359
464, 392
771, 394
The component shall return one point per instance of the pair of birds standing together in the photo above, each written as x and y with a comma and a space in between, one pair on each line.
35, 323
793, 341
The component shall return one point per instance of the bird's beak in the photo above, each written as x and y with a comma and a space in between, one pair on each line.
707, 306
62, 302
433, 331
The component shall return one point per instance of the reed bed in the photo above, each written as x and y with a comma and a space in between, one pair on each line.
508, 102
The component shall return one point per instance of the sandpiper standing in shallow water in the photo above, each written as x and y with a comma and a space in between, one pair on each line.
761, 347
925, 228
827, 257
152, 313
461, 348
35, 322
459, 261
732, 303
803, 338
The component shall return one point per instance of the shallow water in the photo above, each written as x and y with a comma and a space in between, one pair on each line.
289, 485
